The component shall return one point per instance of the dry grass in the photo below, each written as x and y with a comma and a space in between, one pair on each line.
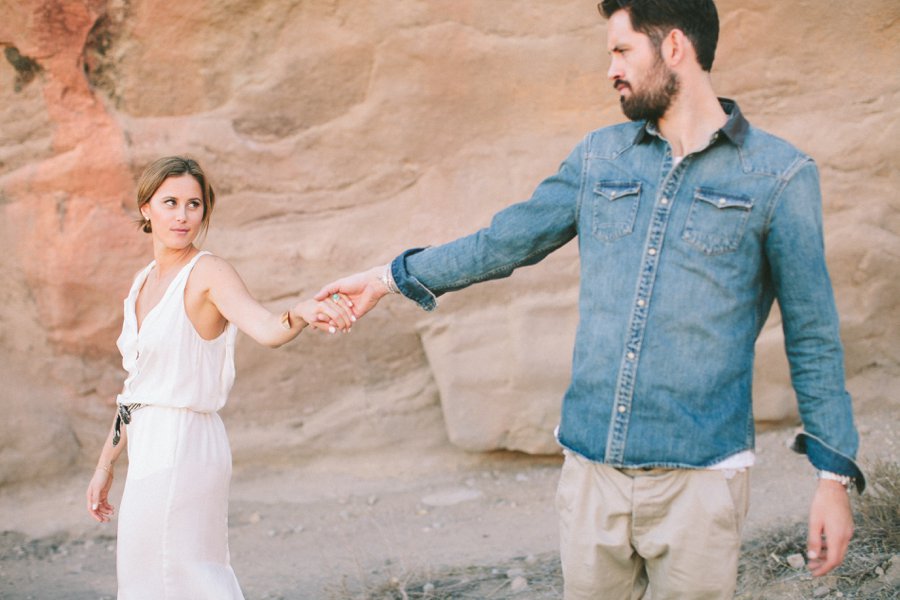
875, 541
763, 572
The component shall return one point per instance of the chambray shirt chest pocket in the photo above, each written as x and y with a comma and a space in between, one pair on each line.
614, 207
716, 221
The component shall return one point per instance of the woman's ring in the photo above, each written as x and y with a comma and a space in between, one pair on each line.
336, 297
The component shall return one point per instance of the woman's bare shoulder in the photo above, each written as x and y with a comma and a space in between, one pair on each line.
211, 270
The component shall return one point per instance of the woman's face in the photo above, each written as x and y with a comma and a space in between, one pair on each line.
176, 211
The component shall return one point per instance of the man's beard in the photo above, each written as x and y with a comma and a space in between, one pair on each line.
652, 102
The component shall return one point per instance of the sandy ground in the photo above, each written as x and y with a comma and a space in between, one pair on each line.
338, 528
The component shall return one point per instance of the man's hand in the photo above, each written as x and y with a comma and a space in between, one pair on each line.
830, 527
364, 289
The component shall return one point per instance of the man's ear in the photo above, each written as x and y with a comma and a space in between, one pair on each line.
675, 48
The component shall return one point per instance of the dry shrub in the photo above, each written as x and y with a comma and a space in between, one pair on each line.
875, 541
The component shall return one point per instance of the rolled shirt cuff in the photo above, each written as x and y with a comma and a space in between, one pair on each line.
409, 285
825, 458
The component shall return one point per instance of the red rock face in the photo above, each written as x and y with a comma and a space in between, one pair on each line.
339, 133
66, 209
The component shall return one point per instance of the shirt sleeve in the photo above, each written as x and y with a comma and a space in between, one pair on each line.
521, 234
796, 255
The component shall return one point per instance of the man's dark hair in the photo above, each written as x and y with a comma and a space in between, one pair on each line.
698, 20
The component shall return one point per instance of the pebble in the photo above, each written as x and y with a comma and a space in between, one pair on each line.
821, 592
372, 500
519, 584
892, 574
796, 561
254, 518
513, 573
531, 559
428, 588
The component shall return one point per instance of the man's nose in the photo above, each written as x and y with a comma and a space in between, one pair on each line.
615, 71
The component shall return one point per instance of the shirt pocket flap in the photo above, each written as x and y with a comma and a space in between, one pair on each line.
614, 190
723, 201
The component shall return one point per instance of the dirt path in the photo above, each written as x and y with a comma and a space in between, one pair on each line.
340, 528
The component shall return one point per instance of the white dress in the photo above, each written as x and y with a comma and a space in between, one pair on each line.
173, 521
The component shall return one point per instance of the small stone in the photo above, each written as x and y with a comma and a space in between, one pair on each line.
299, 529
518, 584
513, 573
254, 518
821, 592
879, 571
796, 561
372, 500
891, 575
428, 588
531, 560
271, 533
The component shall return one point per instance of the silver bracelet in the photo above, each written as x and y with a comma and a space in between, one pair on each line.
844, 480
387, 278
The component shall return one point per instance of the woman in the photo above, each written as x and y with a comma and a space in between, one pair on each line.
177, 345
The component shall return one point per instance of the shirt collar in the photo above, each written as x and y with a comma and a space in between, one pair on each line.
735, 128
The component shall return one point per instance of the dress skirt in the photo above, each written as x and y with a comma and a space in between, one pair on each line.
173, 521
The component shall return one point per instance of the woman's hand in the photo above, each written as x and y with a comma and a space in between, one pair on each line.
331, 314
98, 495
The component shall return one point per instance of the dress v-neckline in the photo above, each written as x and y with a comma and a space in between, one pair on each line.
139, 324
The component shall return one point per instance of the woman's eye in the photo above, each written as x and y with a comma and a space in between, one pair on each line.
194, 204
169, 201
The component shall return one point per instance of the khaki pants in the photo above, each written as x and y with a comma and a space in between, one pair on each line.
679, 530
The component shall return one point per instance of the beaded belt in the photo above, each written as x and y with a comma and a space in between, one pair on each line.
123, 416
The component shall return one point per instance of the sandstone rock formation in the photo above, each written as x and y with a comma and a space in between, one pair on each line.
340, 132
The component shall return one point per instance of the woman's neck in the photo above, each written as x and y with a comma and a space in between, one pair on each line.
170, 258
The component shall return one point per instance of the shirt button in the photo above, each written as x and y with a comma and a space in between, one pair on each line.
630, 356
721, 201
664, 201
622, 408
652, 251
641, 302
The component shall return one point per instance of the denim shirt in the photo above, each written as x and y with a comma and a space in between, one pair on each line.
679, 265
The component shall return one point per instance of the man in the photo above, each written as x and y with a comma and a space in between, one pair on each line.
690, 223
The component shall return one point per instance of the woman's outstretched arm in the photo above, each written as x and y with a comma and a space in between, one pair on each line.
217, 291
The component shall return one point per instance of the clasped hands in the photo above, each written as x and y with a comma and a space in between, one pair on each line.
342, 302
